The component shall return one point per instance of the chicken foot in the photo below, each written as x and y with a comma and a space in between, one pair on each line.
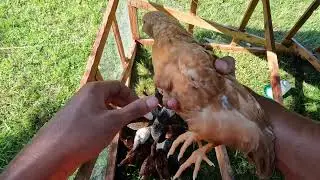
196, 157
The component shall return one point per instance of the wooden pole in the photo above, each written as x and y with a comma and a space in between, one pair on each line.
248, 14
193, 11
224, 163
117, 37
133, 21
245, 19
304, 53
314, 5
271, 55
127, 71
96, 53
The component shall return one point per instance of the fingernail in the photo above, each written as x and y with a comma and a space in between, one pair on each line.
152, 102
221, 65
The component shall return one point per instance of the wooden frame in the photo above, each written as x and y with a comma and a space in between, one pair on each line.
266, 46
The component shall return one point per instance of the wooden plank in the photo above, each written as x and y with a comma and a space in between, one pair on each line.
193, 11
222, 47
206, 24
271, 55
224, 163
127, 71
117, 37
96, 53
112, 158
232, 48
314, 5
248, 14
133, 21
145, 42
304, 53
99, 76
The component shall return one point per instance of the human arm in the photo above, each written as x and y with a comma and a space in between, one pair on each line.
297, 137
297, 141
78, 132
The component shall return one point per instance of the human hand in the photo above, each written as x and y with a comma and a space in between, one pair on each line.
79, 131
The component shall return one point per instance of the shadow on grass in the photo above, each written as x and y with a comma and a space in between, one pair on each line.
13, 142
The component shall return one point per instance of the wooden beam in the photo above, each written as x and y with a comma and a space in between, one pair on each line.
117, 37
271, 55
304, 53
99, 76
248, 14
206, 24
314, 5
96, 53
127, 71
145, 42
133, 18
112, 158
232, 48
224, 163
193, 11
222, 47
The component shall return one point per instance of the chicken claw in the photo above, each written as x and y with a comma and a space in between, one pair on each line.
187, 139
196, 158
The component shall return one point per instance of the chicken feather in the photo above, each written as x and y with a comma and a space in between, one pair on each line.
185, 70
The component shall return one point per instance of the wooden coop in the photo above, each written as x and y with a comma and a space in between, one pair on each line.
262, 45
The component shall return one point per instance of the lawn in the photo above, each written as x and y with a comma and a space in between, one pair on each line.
44, 47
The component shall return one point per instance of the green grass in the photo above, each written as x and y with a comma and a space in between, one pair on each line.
44, 47
43, 50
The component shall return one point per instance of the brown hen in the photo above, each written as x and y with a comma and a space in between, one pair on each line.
184, 70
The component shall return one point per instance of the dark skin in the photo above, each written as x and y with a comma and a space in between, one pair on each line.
80, 130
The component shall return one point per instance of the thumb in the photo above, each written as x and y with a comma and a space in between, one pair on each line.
139, 108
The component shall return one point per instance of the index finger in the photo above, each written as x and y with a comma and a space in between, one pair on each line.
116, 93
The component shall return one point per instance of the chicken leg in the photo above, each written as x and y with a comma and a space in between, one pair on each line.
196, 157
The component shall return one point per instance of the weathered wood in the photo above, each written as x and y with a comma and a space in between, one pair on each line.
193, 11
306, 54
248, 14
271, 55
96, 53
232, 48
112, 158
145, 42
99, 76
117, 37
224, 163
133, 18
127, 71
314, 5
197, 21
